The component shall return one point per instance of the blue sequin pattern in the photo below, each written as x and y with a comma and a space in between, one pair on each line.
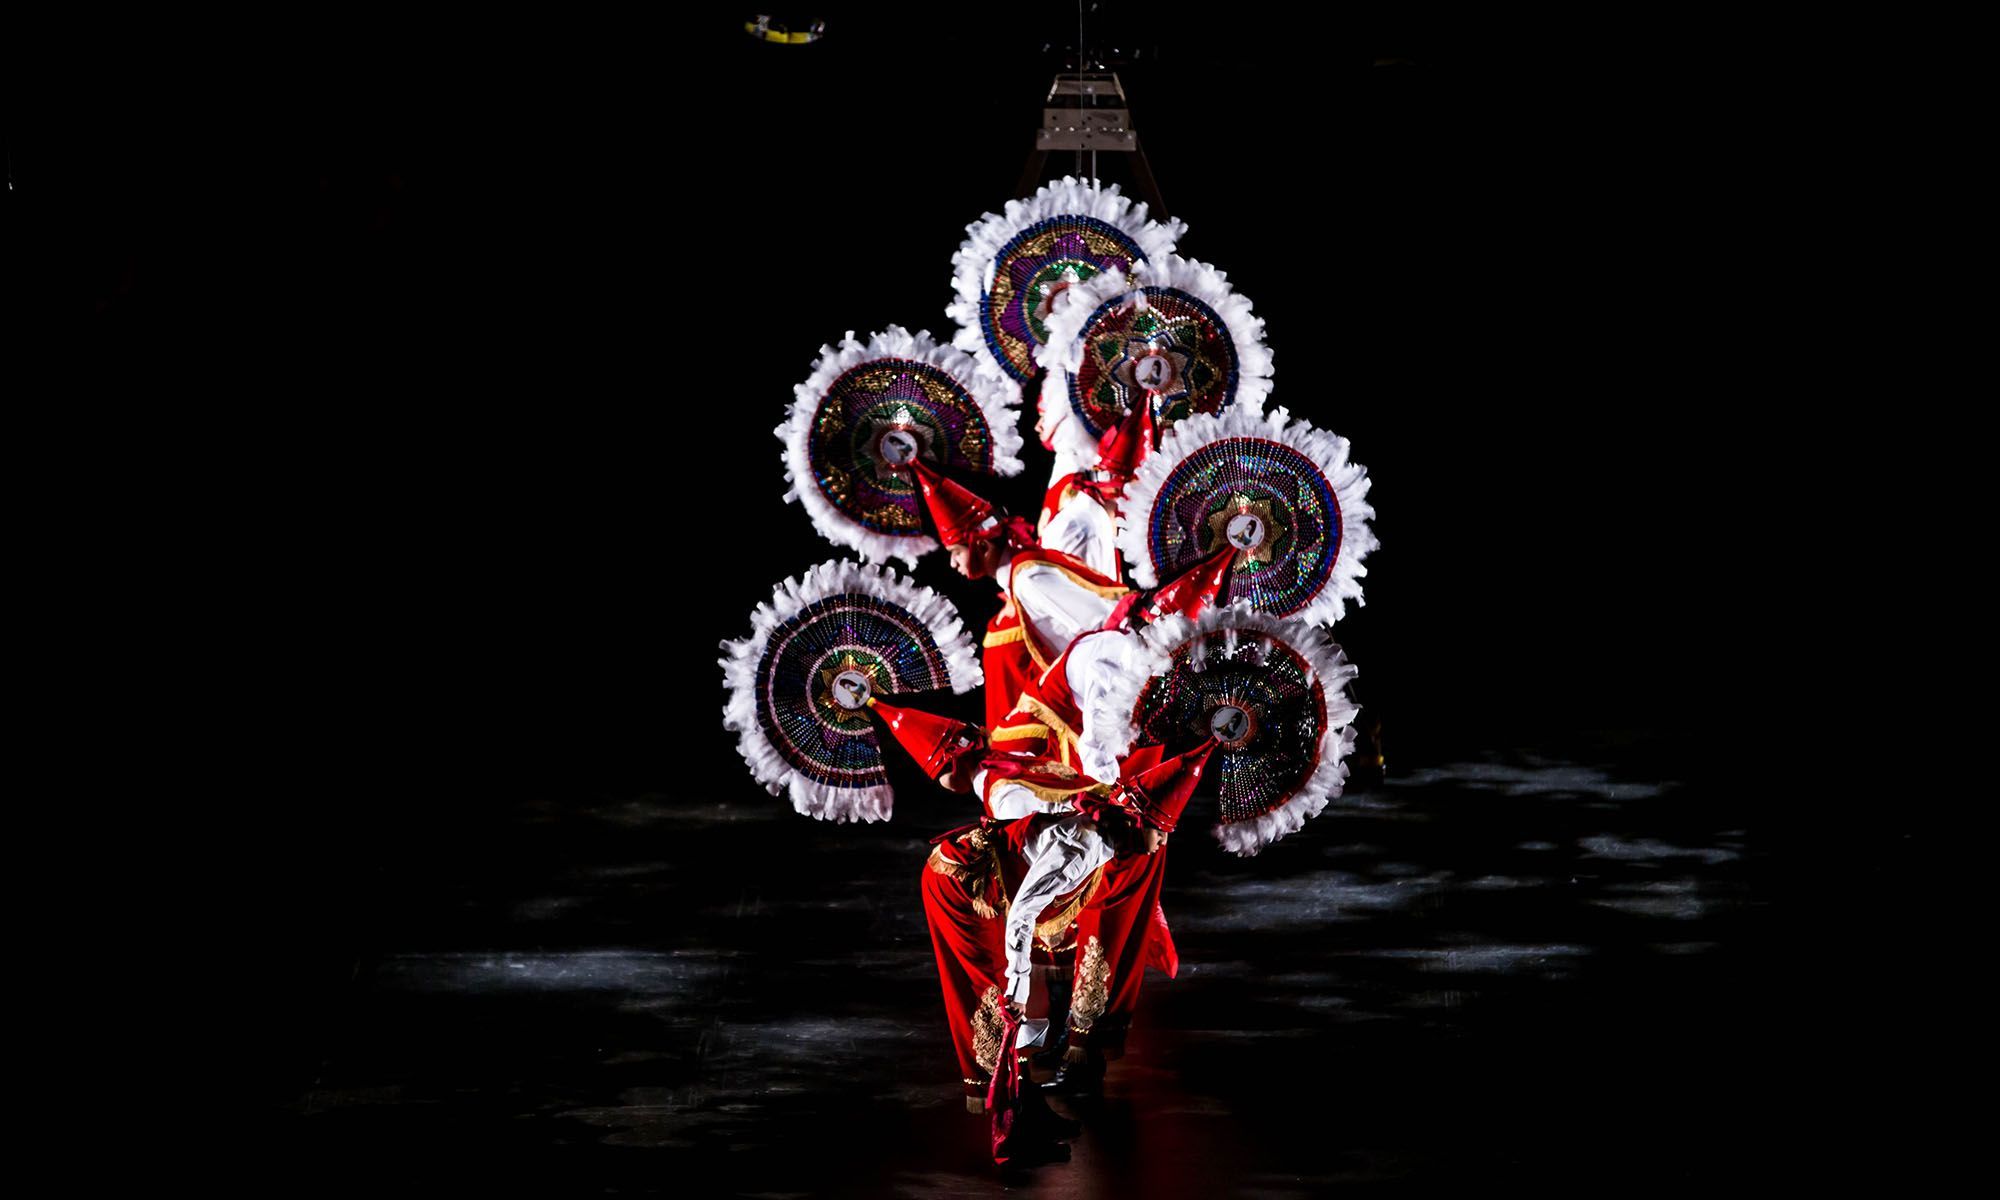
1281, 485
853, 631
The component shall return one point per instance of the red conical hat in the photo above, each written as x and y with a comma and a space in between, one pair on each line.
1141, 760
1159, 793
1204, 586
957, 512
1119, 798
935, 742
1127, 444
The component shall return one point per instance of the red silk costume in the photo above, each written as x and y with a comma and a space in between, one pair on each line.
1111, 920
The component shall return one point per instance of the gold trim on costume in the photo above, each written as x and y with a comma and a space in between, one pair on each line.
1061, 921
1004, 637
1109, 591
978, 876
1058, 727
1093, 987
988, 1031
1035, 652
1015, 733
1056, 795
837, 484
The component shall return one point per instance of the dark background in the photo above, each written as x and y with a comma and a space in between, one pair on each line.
454, 338
422, 380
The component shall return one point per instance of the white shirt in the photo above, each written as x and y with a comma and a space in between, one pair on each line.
1091, 668
1060, 857
1053, 605
1010, 801
1096, 663
1083, 529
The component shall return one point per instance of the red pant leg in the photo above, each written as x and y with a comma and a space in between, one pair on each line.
1112, 935
971, 953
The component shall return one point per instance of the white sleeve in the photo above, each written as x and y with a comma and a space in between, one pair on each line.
1056, 607
1009, 801
1059, 857
1094, 666
1083, 529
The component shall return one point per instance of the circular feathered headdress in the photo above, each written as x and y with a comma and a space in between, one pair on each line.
1013, 265
867, 411
1173, 334
1279, 490
798, 687
1268, 690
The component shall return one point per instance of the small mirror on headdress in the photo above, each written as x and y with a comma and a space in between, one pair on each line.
1153, 371
851, 690
1246, 531
897, 446
1231, 725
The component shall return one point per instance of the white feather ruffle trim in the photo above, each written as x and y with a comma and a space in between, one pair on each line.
827, 801
998, 397
1117, 666
1330, 669
1064, 352
973, 266
1325, 449
1071, 438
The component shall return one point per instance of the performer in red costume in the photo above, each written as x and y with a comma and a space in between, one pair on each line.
1107, 858
1049, 597
967, 879
1032, 771
1043, 763
973, 870
1067, 585
1087, 877
1049, 907
1079, 510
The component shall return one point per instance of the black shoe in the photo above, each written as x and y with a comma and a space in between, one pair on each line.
1039, 1120
1024, 1161
1077, 1077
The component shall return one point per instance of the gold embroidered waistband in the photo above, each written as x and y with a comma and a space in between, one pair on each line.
1056, 795
1015, 733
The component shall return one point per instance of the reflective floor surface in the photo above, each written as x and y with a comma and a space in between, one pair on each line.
1520, 970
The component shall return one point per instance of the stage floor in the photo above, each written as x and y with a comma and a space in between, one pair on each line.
1525, 967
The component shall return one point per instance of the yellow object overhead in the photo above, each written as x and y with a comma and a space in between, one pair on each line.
765, 31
